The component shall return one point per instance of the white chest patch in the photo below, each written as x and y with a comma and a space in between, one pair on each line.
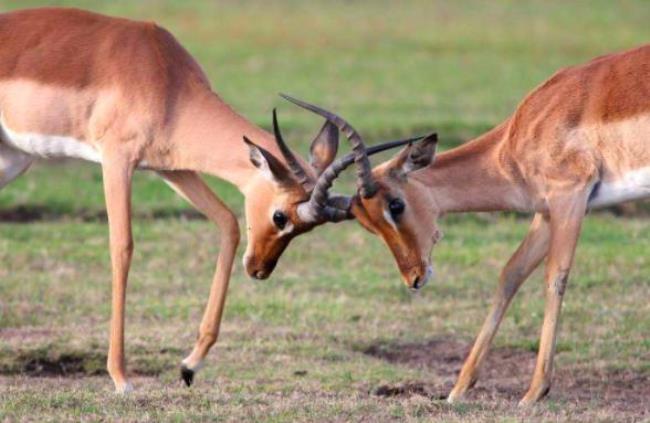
633, 185
48, 146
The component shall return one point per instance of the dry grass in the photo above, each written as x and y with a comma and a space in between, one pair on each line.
330, 337
333, 336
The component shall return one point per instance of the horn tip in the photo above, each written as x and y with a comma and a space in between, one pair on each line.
292, 99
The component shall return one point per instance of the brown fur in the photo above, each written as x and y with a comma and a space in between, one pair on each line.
586, 126
135, 95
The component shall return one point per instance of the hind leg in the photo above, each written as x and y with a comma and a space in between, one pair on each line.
12, 164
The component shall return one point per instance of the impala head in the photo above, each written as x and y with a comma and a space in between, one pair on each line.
289, 198
401, 211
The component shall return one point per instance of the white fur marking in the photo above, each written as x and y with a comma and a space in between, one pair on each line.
288, 228
389, 219
633, 185
306, 213
195, 367
125, 389
48, 146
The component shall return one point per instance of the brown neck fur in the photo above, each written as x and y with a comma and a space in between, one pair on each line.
209, 138
472, 178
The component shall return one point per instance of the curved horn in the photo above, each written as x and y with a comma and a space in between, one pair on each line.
336, 209
293, 163
367, 186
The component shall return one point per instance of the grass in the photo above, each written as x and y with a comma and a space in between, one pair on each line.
292, 347
296, 347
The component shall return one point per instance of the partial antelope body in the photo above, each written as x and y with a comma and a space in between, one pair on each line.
578, 141
127, 95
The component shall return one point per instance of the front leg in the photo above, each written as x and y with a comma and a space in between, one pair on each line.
190, 186
117, 175
566, 215
522, 263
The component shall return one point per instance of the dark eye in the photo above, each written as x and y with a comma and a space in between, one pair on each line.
396, 208
280, 219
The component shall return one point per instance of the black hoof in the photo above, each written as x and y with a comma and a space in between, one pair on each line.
187, 374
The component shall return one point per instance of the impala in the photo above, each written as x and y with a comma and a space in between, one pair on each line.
580, 140
127, 95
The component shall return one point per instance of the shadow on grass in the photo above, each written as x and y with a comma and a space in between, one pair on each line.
43, 363
58, 358
506, 373
39, 213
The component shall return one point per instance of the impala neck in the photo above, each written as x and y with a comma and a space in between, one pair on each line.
475, 177
209, 137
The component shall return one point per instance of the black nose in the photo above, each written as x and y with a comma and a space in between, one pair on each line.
416, 283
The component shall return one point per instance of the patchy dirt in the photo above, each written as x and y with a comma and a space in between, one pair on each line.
45, 352
38, 213
45, 362
406, 389
60, 366
506, 373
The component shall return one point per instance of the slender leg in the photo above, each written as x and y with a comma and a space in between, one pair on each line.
522, 263
117, 190
190, 186
566, 215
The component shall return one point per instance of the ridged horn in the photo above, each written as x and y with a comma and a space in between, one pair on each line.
367, 186
337, 208
293, 163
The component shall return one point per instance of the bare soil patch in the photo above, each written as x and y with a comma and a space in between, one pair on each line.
506, 373
61, 366
45, 352
39, 213
46, 363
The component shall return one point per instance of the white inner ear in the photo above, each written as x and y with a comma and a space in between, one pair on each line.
261, 164
389, 219
407, 167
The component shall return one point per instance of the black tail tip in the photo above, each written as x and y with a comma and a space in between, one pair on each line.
187, 375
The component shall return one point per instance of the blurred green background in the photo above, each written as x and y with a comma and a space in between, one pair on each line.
391, 69
292, 348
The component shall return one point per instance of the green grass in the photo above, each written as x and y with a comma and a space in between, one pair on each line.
321, 308
292, 347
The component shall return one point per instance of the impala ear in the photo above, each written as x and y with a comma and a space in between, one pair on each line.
272, 168
414, 157
422, 154
324, 147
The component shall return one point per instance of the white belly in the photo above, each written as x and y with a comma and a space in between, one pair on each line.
48, 146
633, 185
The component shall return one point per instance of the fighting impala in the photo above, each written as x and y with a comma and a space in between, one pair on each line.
127, 95
580, 140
